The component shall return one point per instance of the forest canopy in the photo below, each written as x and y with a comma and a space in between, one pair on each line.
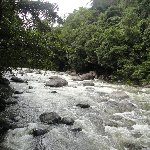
112, 38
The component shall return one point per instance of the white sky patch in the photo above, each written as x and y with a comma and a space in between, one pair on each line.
68, 6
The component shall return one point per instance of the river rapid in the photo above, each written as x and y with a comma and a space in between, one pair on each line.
118, 117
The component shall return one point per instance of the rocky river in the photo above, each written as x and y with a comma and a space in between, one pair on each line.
56, 111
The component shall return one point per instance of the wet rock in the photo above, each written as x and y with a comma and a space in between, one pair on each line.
83, 105
18, 92
88, 76
50, 118
119, 94
76, 129
39, 132
67, 121
4, 81
14, 96
88, 83
56, 82
30, 87
54, 92
16, 79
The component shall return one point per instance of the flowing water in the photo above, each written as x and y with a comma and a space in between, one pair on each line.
112, 122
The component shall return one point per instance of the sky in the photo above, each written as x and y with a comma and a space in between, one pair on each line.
67, 6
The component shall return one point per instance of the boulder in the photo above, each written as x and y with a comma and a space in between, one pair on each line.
119, 95
77, 78
76, 129
54, 92
73, 73
16, 79
88, 76
30, 87
56, 82
4, 81
83, 105
39, 132
67, 121
18, 92
50, 118
88, 83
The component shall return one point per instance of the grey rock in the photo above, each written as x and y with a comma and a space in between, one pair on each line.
50, 118
39, 132
16, 79
53, 91
18, 92
30, 87
76, 129
88, 76
56, 82
67, 121
83, 105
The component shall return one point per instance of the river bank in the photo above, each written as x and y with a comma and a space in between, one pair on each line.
105, 116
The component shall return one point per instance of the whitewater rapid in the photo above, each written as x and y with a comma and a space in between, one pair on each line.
104, 127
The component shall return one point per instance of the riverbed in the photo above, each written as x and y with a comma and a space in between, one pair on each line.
118, 117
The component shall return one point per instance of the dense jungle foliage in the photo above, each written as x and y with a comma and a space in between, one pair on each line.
112, 38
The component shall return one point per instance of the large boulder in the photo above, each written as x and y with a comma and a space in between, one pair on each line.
56, 82
16, 79
50, 118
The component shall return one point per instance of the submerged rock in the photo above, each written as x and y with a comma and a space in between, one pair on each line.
50, 118
67, 121
83, 105
56, 82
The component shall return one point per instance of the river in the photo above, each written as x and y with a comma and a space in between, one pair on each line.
118, 117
